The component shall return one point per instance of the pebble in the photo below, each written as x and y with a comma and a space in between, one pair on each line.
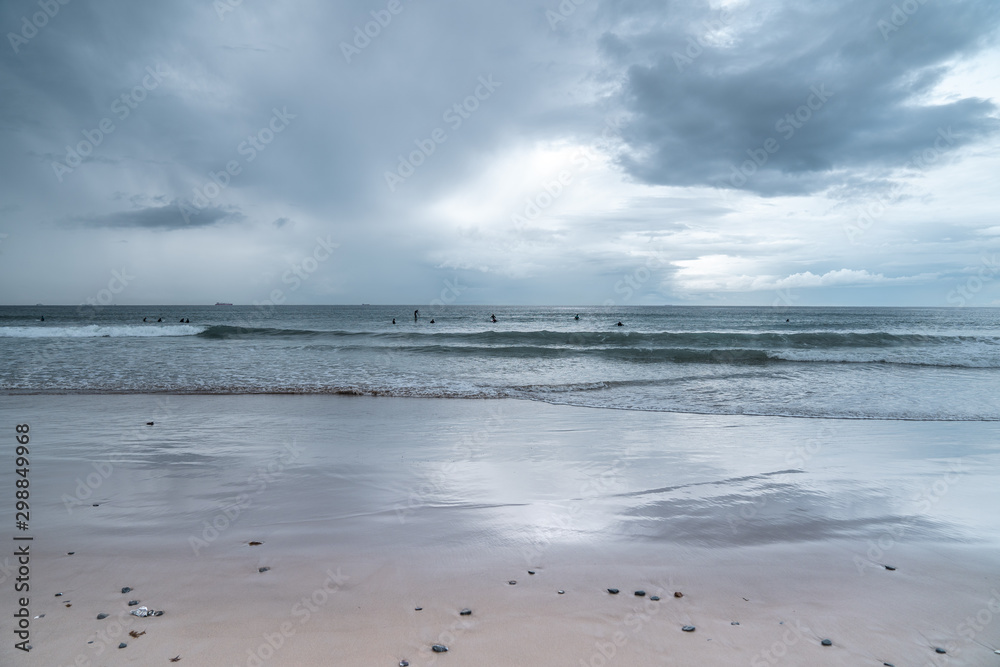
654, 598
133, 603
97, 504
511, 582
263, 569
58, 595
940, 650
40, 616
888, 664
70, 553
640, 594
561, 592
688, 628
735, 623
101, 617
890, 567
613, 591
439, 648
404, 663
126, 590
826, 642
465, 612
418, 608
157, 613
531, 571
122, 645
678, 594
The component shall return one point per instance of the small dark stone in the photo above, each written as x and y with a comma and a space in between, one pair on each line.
133, 603
70, 553
511, 582
678, 594
890, 568
888, 664
613, 591
97, 504
418, 608
157, 613
101, 617
122, 645
58, 595
561, 592
735, 623
149, 423
688, 628
263, 569
404, 663
654, 598
826, 642
531, 571
439, 648
940, 650
640, 594
465, 612
126, 590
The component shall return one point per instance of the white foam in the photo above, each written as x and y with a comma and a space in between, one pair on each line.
98, 331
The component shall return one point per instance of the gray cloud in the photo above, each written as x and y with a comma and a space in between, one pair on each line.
889, 176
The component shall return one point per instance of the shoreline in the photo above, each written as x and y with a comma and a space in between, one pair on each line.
376, 507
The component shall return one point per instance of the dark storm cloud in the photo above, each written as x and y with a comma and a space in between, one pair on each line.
801, 91
165, 217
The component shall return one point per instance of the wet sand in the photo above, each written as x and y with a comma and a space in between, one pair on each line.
367, 508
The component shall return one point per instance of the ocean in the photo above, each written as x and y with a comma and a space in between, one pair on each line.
854, 363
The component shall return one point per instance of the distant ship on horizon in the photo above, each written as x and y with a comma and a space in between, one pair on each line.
219, 303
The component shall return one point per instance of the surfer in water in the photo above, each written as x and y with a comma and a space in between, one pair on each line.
619, 324
577, 317
493, 318
415, 313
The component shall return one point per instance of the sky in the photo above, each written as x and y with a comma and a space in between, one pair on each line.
581, 152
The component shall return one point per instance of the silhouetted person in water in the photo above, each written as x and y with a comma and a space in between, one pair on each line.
493, 318
415, 313
394, 320
577, 317
159, 319
144, 319
619, 324
432, 321
43, 318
